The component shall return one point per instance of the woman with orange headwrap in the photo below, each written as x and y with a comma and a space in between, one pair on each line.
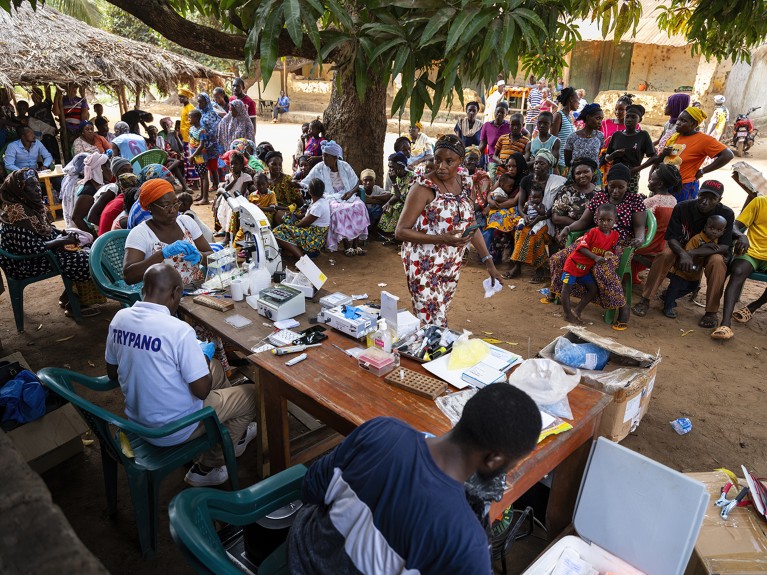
165, 237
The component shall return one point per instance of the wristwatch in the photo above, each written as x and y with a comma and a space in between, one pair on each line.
484, 259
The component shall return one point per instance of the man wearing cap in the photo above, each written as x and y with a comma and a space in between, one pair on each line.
688, 149
751, 256
184, 96
688, 219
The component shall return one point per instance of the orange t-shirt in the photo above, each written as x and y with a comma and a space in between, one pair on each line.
689, 153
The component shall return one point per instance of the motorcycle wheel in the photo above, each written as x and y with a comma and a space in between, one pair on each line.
739, 149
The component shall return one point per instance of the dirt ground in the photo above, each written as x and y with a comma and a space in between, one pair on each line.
717, 385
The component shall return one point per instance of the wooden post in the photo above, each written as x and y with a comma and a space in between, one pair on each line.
138, 99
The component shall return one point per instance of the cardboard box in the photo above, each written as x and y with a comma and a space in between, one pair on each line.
738, 545
633, 516
628, 377
53, 438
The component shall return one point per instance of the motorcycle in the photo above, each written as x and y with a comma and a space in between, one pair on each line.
744, 133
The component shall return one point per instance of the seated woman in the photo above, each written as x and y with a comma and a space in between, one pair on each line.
398, 183
531, 239
575, 195
96, 172
286, 190
632, 218
108, 192
26, 229
137, 214
502, 213
175, 161
664, 182
113, 208
90, 142
421, 147
480, 190
310, 234
349, 219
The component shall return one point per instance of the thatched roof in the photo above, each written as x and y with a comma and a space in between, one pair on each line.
44, 46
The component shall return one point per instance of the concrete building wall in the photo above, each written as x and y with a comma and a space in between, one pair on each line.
664, 67
746, 87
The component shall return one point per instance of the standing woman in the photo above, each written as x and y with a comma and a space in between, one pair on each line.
588, 141
491, 131
437, 213
209, 122
235, 124
468, 129
617, 124
676, 104
563, 126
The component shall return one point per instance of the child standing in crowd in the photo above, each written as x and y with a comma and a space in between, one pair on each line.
198, 142
631, 146
699, 247
534, 213
314, 140
593, 248
301, 144
509, 143
543, 139
185, 209
399, 180
374, 196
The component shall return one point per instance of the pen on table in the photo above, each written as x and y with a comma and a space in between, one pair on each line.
342, 349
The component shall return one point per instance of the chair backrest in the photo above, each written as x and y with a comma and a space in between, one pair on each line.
149, 157
106, 262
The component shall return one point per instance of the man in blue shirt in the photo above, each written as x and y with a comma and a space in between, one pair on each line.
390, 501
25, 152
282, 107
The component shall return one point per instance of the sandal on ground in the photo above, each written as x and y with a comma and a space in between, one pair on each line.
708, 321
84, 311
620, 326
360, 252
350, 252
743, 315
546, 300
641, 308
671, 313
722, 332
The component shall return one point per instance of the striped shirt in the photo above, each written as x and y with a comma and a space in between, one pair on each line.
505, 147
533, 99
565, 130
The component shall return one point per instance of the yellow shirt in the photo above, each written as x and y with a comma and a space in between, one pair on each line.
185, 123
754, 217
264, 201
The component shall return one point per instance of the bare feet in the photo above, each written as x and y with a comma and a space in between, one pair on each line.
572, 318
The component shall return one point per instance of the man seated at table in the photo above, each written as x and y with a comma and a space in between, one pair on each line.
752, 257
688, 219
388, 500
163, 373
26, 152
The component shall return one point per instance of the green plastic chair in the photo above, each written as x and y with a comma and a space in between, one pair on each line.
759, 277
193, 514
150, 464
149, 157
624, 267
106, 261
16, 286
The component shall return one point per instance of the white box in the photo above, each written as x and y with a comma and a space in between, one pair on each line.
359, 327
633, 516
311, 272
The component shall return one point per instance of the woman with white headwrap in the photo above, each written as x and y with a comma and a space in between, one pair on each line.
349, 219
96, 173
73, 173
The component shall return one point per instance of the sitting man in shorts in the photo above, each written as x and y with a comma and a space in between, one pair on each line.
752, 258
688, 219
388, 500
164, 375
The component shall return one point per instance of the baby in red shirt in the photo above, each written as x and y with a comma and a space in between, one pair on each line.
599, 243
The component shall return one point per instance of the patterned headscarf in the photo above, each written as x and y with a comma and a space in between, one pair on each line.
152, 172
232, 128
118, 163
452, 143
92, 169
209, 120
589, 110
24, 208
546, 155
472, 150
242, 144
332, 148
126, 182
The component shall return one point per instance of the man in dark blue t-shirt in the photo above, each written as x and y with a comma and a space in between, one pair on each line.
388, 500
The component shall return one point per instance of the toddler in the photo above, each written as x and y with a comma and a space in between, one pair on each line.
533, 212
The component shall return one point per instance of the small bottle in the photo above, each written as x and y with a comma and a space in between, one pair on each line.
383, 338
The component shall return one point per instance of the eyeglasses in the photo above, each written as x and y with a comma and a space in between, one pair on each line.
168, 207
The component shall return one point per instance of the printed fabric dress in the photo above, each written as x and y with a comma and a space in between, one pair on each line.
432, 270
390, 217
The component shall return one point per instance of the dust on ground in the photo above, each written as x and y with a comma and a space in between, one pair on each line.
719, 386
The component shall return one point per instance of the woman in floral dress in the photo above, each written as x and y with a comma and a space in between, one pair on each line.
398, 183
438, 211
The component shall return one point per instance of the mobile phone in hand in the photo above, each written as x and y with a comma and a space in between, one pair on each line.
470, 230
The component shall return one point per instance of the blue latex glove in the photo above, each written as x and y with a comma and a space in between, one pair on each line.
179, 247
208, 349
194, 258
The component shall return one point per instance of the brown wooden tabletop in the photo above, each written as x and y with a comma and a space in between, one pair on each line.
331, 386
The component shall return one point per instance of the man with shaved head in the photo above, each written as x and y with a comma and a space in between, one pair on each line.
164, 375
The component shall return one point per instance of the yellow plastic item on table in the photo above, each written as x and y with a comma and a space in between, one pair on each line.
467, 352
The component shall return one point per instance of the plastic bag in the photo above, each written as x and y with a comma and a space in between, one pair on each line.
581, 355
547, 384
467, 352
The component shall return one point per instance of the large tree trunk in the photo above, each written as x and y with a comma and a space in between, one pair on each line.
359, 127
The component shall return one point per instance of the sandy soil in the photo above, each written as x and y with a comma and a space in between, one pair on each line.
717, 385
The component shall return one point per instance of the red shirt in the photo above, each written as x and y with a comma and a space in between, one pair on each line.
110, 213
248, 101
579, 264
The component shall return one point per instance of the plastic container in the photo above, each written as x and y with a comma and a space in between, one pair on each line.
377, 361
259, 278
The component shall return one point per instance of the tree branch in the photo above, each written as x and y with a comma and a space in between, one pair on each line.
159, 15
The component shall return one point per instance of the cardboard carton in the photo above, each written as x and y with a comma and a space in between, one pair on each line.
737, 545
51, 439
628, 377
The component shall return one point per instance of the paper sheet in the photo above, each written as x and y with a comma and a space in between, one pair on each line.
439, 367
491, 290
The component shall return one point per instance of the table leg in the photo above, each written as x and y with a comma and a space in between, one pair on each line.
277, 433
49, 192
564, 490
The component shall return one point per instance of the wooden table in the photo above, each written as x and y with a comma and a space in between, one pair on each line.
46, 176
330, 386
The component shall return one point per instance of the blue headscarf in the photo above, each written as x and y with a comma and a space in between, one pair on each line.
209, 121
589, 109
398, 158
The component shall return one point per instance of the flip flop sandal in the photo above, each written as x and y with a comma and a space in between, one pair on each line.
722, 332
742, 315
640, 309
360, 252
351, 252
546, 300
670, 313
620, 326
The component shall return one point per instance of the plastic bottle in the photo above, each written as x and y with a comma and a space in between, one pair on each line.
382, 337
259, 278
